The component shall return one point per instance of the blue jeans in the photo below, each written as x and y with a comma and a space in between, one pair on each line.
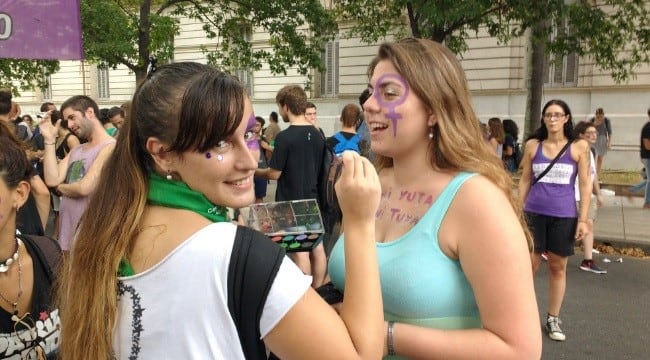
645, 184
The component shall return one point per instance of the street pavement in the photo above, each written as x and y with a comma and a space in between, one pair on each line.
604, 316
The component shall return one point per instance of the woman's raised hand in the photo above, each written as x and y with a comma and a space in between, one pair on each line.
358, 189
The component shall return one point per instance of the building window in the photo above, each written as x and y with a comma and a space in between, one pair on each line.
329, 78
46, 92
245, 77
103, 91
561, 70
242, 72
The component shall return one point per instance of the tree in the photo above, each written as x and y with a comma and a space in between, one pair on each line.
27, 74
615, 33
128, 32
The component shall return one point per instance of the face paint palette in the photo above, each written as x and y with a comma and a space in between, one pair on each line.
294, 225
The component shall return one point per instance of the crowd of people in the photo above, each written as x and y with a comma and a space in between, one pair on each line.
142, 196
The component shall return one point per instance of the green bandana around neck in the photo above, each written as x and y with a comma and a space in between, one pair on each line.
177, 195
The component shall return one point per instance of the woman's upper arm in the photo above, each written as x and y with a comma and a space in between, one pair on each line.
494, 256
312, 317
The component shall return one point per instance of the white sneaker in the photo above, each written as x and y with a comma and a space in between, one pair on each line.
553, 328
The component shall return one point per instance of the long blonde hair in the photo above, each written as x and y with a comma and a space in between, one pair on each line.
437, 78
187, 105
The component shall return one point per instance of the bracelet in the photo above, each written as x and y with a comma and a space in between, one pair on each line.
582, 221
49, 143
389, 339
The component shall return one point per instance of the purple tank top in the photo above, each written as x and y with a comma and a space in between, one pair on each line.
554, 194
81, 159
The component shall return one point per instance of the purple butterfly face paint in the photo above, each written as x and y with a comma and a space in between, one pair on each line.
251, 135
391, 104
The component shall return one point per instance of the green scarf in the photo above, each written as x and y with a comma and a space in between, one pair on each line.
177, 195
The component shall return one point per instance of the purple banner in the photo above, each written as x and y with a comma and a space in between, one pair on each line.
40, 29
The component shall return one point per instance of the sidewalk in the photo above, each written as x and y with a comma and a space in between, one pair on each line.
623, 222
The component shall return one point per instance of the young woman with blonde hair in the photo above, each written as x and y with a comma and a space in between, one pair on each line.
150, 270
453, 253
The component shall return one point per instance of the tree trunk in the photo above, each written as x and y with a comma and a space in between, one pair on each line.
536, 78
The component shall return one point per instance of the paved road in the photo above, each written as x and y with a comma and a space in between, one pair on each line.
604, 316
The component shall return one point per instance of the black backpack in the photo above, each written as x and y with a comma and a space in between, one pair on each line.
328, 174
254, 263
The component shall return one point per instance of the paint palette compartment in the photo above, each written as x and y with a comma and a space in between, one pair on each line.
294, 225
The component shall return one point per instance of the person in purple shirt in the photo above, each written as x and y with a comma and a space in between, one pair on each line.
549, 199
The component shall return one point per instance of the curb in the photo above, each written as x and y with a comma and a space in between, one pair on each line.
621, 243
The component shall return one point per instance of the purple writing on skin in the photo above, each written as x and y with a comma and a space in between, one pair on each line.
398, 216
392, 105
253, 143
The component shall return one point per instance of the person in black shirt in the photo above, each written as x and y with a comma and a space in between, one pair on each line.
295, 164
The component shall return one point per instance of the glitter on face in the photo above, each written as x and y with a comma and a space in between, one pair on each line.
393, 104
252, 142
208, 155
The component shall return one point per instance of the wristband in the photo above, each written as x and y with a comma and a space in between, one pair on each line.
389, 339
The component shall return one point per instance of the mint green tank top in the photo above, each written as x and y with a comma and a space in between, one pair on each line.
420, 284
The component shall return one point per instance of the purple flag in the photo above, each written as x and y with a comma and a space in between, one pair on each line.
40, 29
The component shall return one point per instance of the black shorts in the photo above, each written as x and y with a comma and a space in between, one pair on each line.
260, 187
553, 234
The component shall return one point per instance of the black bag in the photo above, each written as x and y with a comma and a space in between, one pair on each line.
329, 172
254, 263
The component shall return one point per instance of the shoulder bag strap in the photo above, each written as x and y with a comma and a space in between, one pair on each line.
254, 263
548, 168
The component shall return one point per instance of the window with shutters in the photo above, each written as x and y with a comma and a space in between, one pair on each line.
329, 78
103, 91
46, 92
561, 70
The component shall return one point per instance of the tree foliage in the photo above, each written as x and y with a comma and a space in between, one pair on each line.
129, 32
26, 74
615, 33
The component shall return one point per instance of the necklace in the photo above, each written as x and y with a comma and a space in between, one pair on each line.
4, 266
14, 304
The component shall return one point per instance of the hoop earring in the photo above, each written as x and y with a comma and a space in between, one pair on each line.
169, 175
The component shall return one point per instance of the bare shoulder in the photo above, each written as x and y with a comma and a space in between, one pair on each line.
531, 144
581, 145
479, 202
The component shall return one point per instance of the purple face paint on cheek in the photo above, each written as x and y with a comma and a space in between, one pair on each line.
252, 143
391, 105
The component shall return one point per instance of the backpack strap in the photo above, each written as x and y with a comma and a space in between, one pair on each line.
254, 263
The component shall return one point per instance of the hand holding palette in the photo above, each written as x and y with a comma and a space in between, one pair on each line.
295, 225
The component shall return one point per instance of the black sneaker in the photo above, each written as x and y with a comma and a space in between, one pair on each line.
553, 328
590, 265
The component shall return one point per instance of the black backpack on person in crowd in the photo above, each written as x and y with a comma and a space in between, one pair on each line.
329, 172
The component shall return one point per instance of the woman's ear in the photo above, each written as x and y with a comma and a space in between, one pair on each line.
431, 120
21, 194
162, 158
